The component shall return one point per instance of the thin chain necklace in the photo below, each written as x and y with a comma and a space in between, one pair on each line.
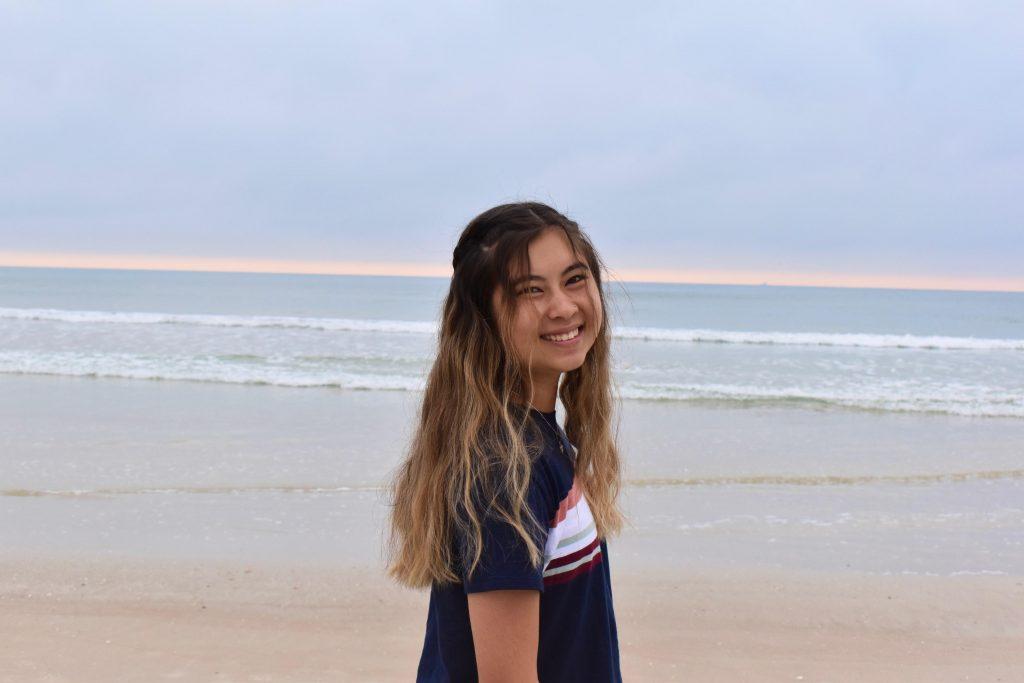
558, 437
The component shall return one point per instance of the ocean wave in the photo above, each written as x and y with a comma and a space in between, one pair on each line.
658, 334
877, 341
205, 320
214, 369
330, 372
881, 398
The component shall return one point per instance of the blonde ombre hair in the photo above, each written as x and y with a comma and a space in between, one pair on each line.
470, 451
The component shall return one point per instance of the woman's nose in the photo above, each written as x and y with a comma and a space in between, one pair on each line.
562, 305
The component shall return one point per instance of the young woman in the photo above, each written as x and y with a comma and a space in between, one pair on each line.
496, 508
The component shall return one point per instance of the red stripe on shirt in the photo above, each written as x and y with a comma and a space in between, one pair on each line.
565, 576
572, 557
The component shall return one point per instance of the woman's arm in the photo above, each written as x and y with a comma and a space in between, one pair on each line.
505, 625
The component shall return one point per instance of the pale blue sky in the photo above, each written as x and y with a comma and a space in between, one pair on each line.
858, 137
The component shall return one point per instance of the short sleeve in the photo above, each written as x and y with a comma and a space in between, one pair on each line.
504, 559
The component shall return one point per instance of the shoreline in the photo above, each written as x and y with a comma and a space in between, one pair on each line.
90, 619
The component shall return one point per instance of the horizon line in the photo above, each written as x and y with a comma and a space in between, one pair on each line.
693, 276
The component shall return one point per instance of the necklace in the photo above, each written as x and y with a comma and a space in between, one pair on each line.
558, 436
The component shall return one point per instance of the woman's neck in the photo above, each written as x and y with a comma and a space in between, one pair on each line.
545, 392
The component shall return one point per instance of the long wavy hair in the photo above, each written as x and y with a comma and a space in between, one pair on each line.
474, 432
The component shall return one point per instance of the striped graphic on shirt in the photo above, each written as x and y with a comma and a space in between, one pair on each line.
573, 547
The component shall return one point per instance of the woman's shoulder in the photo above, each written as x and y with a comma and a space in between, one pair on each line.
550, 466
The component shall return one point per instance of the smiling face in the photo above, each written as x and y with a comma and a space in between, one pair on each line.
557, 310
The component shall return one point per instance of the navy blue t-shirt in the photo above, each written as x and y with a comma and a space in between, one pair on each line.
578, 640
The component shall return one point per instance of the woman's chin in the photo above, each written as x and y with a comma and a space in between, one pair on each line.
572, 363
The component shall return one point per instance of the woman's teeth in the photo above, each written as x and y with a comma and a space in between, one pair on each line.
561, 337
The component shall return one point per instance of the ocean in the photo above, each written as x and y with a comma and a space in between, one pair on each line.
219, 414
960, 353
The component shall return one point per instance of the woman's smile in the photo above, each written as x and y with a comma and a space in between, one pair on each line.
565, 339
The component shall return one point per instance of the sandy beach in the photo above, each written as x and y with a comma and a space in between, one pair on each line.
186, 502
134, 620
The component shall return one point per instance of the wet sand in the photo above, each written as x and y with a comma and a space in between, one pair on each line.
148, 620
211, 493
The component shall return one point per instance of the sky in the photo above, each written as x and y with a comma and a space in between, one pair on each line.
850, 143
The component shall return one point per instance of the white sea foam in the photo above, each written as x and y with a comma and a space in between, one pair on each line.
888, 341
299, 372
882, 397
196, 369
881, 341
204, 320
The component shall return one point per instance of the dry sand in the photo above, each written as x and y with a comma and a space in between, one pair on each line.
154, 621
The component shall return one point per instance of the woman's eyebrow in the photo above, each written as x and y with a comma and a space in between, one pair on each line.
569, 269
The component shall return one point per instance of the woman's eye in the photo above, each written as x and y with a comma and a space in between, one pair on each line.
527, 290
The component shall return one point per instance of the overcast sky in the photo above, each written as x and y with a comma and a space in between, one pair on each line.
859, 137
